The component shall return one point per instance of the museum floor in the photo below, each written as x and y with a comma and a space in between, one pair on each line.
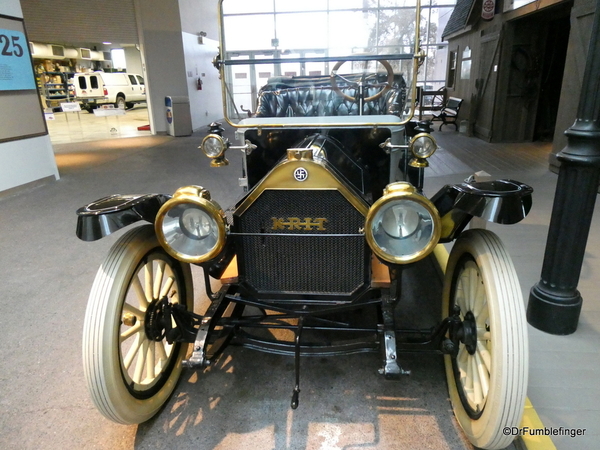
243, 401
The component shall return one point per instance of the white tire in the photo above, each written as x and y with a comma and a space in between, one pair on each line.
129, 374
487, 380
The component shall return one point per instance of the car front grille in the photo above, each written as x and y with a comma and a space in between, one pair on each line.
299, 249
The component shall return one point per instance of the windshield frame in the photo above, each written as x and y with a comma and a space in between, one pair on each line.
417, 57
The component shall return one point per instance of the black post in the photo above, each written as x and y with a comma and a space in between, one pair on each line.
554, 302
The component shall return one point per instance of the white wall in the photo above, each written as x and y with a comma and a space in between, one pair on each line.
201, 16
26, 160
133, 60
161, 45
173, 59
206, 105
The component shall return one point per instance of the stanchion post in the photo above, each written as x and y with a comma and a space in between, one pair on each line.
554, 302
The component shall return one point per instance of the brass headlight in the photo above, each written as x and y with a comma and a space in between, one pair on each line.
190, 226
423, 145
213, 145
402, 226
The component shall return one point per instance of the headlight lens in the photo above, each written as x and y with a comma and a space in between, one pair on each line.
214, 145
190, 226
402, 226
423, 145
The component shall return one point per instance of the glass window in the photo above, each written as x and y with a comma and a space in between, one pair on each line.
345, 4
263, 30
295, 5
132, 79
93, 82
140, 79
314, 36
451, 69
117, 55
465, 65
345, 36
247, 7
82, 83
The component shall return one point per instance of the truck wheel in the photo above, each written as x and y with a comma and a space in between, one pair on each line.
130, 368
120, 103
487, 378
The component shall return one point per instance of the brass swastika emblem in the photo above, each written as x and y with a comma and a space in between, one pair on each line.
294, 223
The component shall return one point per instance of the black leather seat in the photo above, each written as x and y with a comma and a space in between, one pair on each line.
280, 98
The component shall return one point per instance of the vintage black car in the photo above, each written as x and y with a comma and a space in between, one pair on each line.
331, 212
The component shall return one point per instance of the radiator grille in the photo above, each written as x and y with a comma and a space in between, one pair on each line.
321, 264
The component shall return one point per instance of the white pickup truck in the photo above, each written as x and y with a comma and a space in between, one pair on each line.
97, 88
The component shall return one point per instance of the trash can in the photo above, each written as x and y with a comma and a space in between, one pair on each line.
179, 119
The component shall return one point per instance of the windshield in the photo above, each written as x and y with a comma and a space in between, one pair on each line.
315, 62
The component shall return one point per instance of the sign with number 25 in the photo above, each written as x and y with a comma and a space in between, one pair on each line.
16, 72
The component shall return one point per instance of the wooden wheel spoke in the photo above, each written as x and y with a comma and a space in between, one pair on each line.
461, 294
482, 318
161, 353
476, 382
133, 351
485, 355
148, 278
158, 279
483, 334
131, 331
139, 292
150, 361
133, 310
484, 374
167, 287
473, 281
141, 362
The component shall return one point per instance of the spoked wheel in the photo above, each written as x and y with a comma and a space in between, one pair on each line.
487, 379
130, 368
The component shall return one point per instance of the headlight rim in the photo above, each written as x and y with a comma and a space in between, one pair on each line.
207, 205
221, 140
411, 145
402, 191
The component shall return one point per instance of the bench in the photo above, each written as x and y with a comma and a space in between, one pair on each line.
449, 112
429, 102
314, 97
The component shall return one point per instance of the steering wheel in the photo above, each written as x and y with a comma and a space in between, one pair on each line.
386, 86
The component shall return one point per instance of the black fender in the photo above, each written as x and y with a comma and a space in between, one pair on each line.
499, 201
109, 214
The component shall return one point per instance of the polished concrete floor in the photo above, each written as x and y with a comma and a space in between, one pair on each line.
243, 401
83, 126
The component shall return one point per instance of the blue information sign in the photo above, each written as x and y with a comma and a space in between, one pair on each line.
16, 72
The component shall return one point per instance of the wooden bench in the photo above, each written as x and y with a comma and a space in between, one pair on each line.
449, 112
430, 101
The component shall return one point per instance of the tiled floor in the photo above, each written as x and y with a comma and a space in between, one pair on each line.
83, 126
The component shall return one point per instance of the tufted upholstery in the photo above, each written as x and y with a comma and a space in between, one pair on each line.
282, 99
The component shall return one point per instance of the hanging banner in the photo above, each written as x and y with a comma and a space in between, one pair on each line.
16, 72
487, 10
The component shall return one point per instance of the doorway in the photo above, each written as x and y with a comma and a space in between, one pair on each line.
553, 66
